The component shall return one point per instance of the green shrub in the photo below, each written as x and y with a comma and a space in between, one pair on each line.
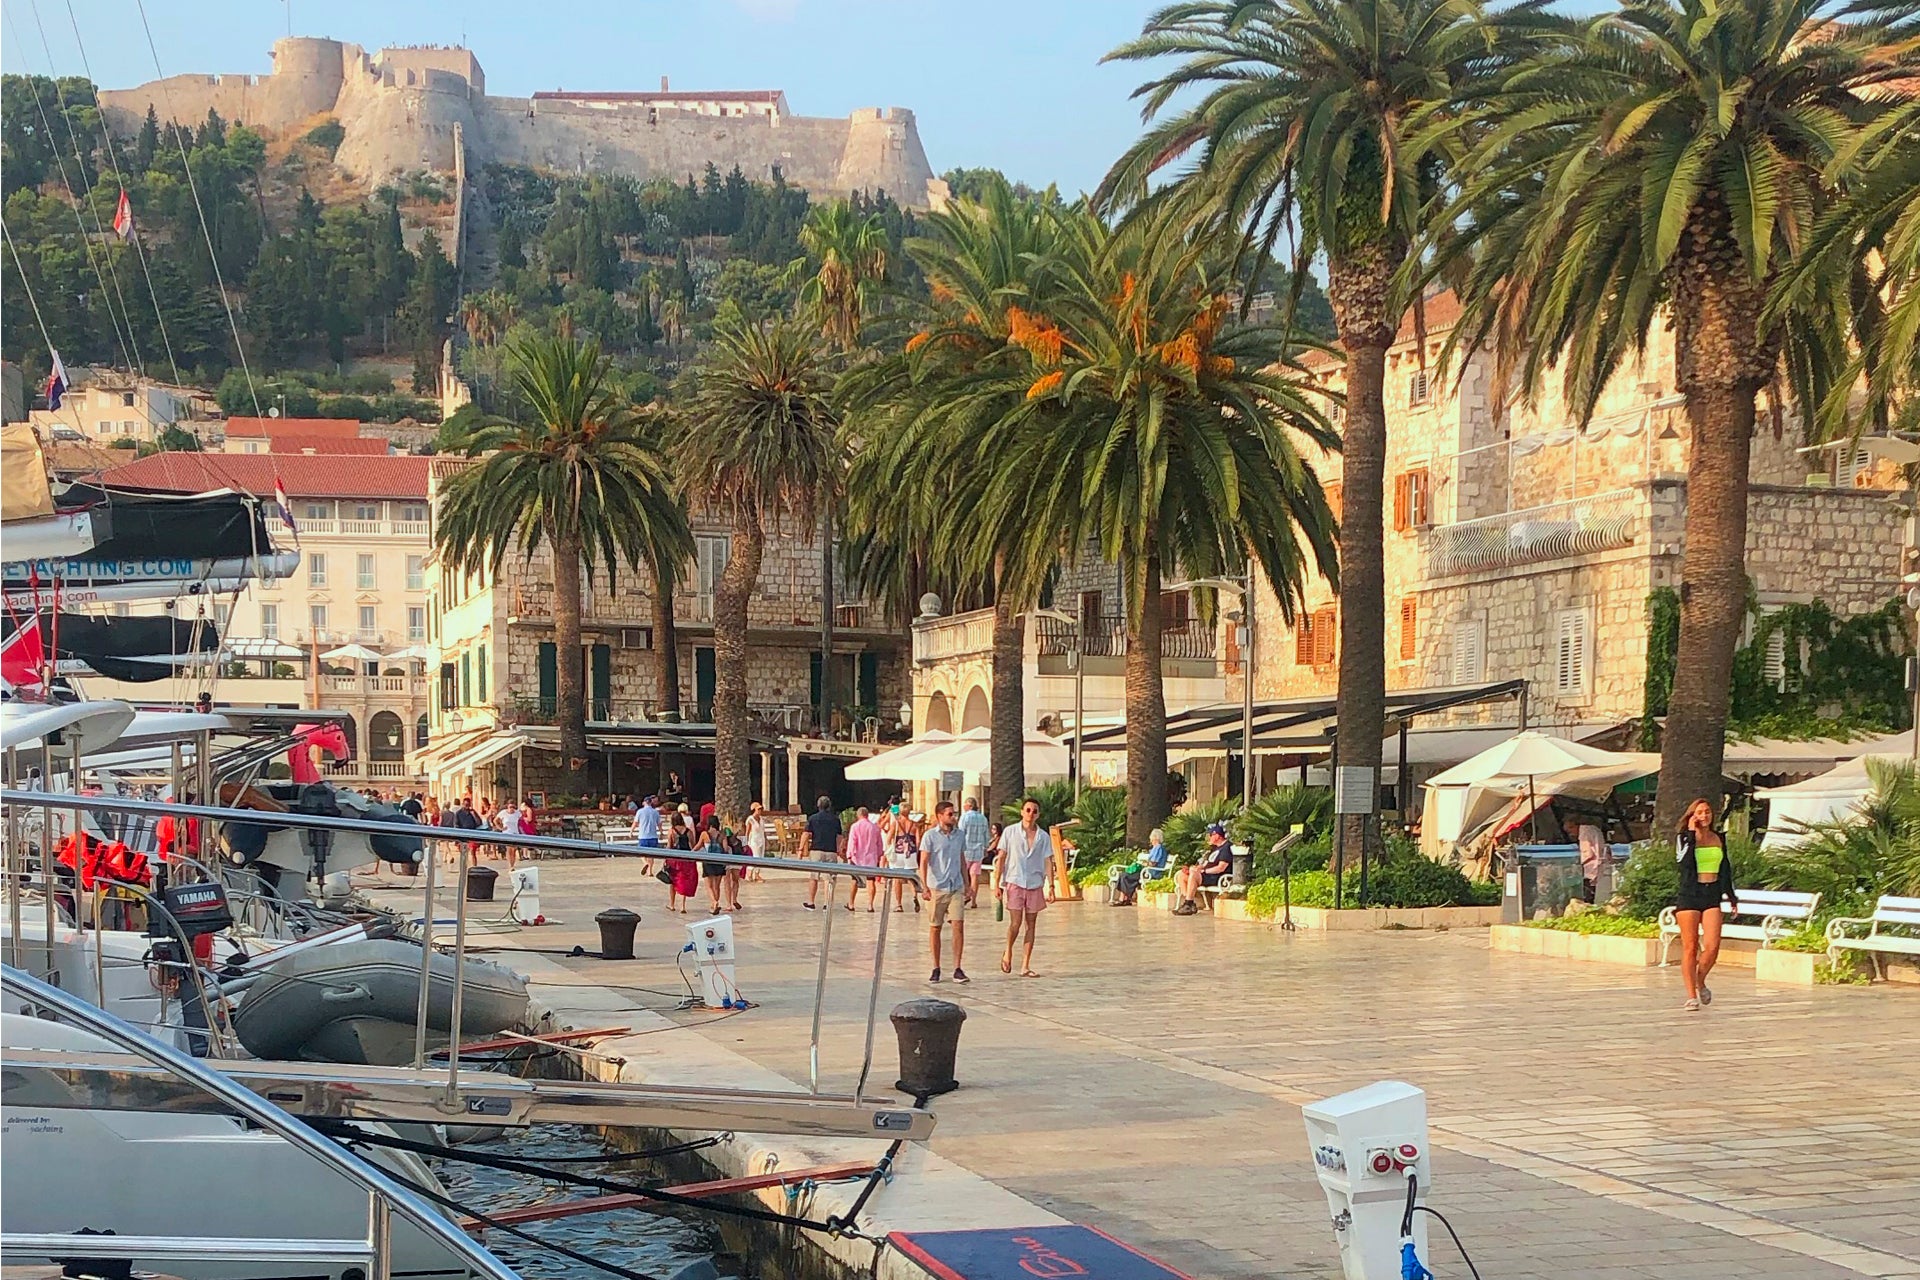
327, 135
1100, 824
1312, 854
1310, 889
1422, 882
1187, 831
1852, 862
1278, 812
1055, 800
1599, 922
1810, 937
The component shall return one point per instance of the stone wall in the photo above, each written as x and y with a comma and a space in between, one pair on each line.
401, 109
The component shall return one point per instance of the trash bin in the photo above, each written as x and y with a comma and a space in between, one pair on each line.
929, 1032
1243, 865
480, 883
616, 932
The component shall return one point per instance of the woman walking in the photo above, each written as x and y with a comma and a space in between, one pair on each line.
1706, 877
683, 876
714, 873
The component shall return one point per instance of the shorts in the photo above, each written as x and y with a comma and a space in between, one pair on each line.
1208, 879
949, 902
648, 842
713, 870
825, 855
1694, 896
1019, 899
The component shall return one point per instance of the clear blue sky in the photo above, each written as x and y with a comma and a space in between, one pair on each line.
1014, 84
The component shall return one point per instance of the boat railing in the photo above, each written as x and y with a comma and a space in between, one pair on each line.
385, 1196
466, 841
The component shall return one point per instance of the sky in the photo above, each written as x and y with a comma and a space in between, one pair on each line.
1011, 84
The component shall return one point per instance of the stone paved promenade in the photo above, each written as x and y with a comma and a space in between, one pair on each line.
1149, 1083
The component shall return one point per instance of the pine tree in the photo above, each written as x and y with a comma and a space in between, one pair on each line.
512, 246
683, 276
147, 144
647, 328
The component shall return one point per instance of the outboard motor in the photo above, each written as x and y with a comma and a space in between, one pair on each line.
199, 910
317, 798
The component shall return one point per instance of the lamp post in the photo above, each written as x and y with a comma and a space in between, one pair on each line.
1242, 587
1078, 655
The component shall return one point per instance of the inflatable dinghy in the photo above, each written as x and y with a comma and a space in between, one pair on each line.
356, 1002
288, 860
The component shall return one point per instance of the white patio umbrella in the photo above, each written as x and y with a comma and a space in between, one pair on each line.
412, 653
902, 763
351, 653
972, 754
1530, 755
258, 647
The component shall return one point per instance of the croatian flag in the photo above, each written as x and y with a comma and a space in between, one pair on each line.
56, 381
22, 656
286, 507
123, 217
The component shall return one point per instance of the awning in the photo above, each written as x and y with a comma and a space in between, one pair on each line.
1816, 755
1292, 724
1833, 796
255, 647
450, 746
479, 756
903, 763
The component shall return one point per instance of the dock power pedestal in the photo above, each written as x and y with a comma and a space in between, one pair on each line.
1365, 1144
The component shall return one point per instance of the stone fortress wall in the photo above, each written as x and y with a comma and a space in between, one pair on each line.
400, 109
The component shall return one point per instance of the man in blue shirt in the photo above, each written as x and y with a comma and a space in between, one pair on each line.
947, 881
975, 834
646, 824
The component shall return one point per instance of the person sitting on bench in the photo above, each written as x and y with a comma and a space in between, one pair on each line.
1154, 860
1216, 862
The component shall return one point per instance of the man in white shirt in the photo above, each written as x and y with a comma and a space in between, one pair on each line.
1025, 850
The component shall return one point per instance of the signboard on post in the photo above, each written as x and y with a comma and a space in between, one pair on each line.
1354, 790
952, 780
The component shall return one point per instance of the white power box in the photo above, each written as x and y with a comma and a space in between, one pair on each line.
1365, 1144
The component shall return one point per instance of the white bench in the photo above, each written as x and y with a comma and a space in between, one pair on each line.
1889, 911
1777, 910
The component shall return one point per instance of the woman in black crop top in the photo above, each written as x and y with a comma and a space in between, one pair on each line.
1706, 877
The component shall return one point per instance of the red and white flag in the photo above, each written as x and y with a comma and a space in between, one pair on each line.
123, 217
286, 507
22, 656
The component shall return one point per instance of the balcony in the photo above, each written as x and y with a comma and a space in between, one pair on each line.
1184, 639
1559, 530
353, 528
363, 686
377, 770
961, 635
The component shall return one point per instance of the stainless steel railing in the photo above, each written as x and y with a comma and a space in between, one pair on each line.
385, 1196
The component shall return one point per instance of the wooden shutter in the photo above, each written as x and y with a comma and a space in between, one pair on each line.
1409, 628
600, 665
1467, 645
1175, 612
1418, 515
549, 668
1303, 641
1570, 652
1336, 499
1402, 501
1325, 628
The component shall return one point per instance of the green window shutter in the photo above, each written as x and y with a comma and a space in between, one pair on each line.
466, 679
549, 678
868, 682
480, 676
602, 682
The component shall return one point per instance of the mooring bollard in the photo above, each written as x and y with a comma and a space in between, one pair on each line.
929, 1032
480, 883
616, 932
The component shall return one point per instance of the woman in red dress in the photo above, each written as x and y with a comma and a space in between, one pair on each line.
685, 871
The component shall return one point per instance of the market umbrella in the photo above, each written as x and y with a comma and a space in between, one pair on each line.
412, 653
1042, 756
1529, 754
902, 763
351, 653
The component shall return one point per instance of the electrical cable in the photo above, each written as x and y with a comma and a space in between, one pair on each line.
1406, 1222
1464, 1255
345, 1132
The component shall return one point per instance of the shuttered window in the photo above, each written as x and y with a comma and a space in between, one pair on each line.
1303, 641
1419, 387
1570, 658
1336, 499
1410, 503
1176, 612
1469, 641
1409, 628
548, 666
1326, 629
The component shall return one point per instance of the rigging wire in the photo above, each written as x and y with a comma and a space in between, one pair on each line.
213, 257
106, 131
73, 139
74, 202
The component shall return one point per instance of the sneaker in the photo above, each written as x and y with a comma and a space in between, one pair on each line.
1691, 1006
807, 905
935, 977
1706, 996
960, 975
1187, 909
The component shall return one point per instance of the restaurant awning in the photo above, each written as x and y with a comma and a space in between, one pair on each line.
1299, 724
485, 752
904, 763
1814, 755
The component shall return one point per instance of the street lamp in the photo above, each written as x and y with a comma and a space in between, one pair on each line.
1242, 587
1078, 656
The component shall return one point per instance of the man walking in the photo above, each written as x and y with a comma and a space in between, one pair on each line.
646, 832
1024, 851
823, 841
947, 881
863, 850
975, 834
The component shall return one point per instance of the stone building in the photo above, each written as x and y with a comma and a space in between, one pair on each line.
104, 406
360, 524
1521, 551
409, 109
497, 673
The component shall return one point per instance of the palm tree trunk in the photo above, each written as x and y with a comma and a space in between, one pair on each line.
1008, 725
666, 649
732, 774
1358, 287
1721, 364
569, 679
1146, 706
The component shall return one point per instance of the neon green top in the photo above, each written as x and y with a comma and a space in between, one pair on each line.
1706, 859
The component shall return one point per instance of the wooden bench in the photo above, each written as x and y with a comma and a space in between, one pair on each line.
1888, 913
1777, 911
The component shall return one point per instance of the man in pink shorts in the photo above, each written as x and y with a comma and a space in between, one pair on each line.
863, 850
1025, 851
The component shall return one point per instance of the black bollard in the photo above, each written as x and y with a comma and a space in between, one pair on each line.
929, 1032
480, 883
616, 932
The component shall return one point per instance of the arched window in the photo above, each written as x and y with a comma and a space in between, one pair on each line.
387, 734
420, 733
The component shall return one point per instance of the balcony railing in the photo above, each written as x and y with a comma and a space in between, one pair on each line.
1577, 527
368, 769
958, 636
1182, 639
357, 685
359, 528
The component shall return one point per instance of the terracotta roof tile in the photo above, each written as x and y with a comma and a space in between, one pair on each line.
305, 475
267, 428
362, 446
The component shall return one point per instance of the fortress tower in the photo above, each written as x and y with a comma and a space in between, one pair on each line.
401, 108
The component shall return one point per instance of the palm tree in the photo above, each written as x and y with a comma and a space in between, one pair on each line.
1176, 437
1663, 163
925, 493
759, 444
667, 570
847, 253
1320, 117
488, 315
579, 476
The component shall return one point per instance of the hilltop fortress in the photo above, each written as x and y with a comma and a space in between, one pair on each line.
407, 109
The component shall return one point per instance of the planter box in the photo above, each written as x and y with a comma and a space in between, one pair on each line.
1595, 948
1792, 967
1355, 918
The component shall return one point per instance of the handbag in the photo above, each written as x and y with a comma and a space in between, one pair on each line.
664, 876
